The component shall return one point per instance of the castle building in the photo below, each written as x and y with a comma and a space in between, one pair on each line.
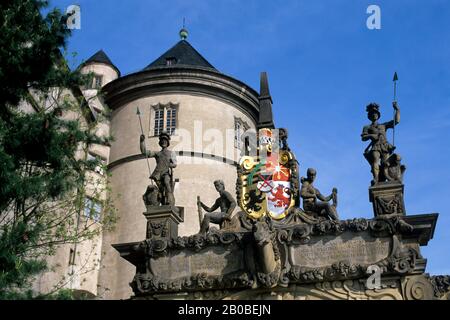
296, 253
206, 113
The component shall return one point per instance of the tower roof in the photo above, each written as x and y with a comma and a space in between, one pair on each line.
181, 54
101, 57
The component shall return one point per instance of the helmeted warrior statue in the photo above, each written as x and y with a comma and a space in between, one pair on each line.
314, 202
225, 202
163, 173
379, 151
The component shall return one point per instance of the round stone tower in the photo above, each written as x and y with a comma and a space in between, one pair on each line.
205, 111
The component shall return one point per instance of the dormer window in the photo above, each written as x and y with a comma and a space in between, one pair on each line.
97, 81
171, 61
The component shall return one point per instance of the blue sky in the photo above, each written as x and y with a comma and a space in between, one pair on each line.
324, 67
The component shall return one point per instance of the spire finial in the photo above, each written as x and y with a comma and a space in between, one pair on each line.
183, 31
265, 104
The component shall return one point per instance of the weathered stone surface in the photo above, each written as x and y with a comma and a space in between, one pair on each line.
387, 198
213, 261
329, 253
326, 250
162, 221
335, 290
418, 288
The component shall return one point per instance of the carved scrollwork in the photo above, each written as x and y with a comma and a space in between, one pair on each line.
404, 263
418, 288
335, 290
298, 234
402, 260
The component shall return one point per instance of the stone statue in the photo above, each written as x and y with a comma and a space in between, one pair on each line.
311, 197
379, 149
394, 168
283, 135
163, 173
225, 202
151, 196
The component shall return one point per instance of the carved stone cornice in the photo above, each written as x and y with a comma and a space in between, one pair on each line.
198, 81
378, 227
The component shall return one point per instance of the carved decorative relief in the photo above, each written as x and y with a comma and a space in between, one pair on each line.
418, 288
336, 290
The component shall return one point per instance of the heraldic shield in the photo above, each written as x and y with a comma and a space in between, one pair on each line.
268, 182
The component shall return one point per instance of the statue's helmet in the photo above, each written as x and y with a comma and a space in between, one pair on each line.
164, 136
373, 108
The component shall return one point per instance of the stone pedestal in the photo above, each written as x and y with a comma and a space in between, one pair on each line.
162, 221
387, 198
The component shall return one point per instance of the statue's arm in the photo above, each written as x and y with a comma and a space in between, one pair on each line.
205, 207
322, 197
392, 123
149, 154
213, 208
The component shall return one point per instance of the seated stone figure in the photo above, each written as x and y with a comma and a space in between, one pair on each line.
314, 202
225, 202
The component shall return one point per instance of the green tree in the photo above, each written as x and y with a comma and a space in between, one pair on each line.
46, 128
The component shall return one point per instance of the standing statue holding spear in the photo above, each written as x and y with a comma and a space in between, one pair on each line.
163, 173
379, 153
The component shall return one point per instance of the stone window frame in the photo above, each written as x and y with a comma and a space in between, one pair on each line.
238, 142
165, 107
94, 83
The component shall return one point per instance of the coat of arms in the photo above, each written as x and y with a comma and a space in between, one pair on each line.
268, 181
